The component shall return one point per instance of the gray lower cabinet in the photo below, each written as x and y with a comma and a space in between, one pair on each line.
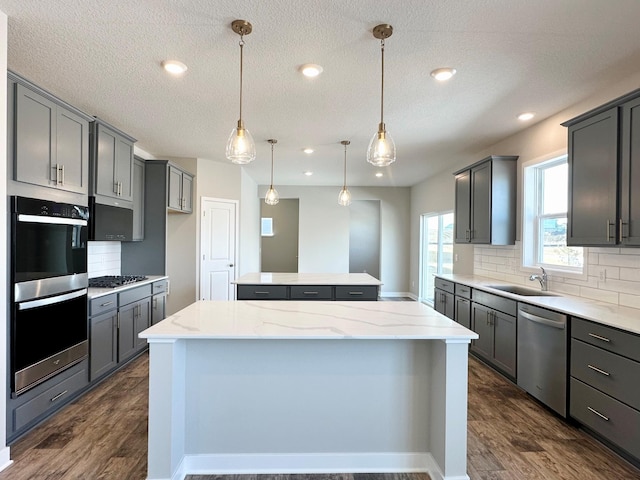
134, 312
308, 292
493, 318
443, 297
301, 292
111, 164
356, 292
103, 341
158, 301
50, 139
485, 202
32, 407
463, 311
262, 292
138, 200
604, 390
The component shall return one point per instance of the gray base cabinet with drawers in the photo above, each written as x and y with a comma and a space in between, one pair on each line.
443, 296
308, 292
604, 385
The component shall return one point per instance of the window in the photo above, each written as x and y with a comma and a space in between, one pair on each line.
266, 227
545, 218
436, 250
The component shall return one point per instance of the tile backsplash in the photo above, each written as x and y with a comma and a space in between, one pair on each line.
613, 274
103, 258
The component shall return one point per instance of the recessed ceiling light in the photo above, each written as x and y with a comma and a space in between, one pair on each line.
308, 173
310, 70
526, 116
443, 74
174, 67
379, 174
308, 151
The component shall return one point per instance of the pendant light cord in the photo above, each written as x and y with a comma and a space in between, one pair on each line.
382, 84
241, 63
271, 165
344, 187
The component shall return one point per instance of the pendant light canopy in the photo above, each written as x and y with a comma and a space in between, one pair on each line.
240, 147
344, 197
382, 149
272, 197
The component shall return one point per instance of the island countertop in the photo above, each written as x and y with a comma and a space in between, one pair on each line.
307, 279
308, 320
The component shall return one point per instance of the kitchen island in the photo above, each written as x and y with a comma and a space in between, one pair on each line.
309, 387
307, 286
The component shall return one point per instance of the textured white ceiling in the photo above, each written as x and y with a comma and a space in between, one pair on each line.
511, 55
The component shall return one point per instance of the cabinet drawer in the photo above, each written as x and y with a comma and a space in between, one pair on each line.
445, 285
606, 416
610, 373
49, 399
311, 292
495, 302
262, 292
159, 287
463, 291
362, 292
612, 339
134, 294
100, 305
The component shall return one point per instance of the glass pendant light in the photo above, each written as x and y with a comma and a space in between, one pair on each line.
382, 149
272, 197
240, 147
344, 197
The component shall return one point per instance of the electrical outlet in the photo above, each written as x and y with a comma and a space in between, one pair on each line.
603, 275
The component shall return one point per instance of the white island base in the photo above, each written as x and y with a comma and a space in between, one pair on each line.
307, 387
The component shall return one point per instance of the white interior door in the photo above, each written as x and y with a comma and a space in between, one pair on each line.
218, 249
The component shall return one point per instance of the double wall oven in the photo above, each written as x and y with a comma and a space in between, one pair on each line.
49, 289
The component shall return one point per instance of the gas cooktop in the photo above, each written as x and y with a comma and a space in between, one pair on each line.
112, 281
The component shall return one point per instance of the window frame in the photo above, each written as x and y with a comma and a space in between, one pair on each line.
532, 218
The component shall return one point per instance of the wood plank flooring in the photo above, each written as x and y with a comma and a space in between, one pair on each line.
103, 436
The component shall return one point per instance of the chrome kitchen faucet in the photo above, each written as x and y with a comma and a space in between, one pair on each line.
542, 279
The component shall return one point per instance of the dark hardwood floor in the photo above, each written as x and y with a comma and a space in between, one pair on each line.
103, 436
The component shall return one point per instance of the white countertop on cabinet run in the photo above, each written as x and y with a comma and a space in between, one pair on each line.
94, 292
307, 279
308, 320
624, 318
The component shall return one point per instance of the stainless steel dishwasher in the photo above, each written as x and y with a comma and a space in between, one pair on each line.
542, 355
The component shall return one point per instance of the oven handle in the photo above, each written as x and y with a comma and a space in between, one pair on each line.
51, 300
54, 220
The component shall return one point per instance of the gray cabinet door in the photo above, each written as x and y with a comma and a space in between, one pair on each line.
72, 151
630, 173
158, 308
138, 200
127, 343
481, 204
103, 346
105, 165
593, 167
35, 118
463, 312
187, 193
504, 347
124, 167
174, 200
443, 303
481, 321
463, 207
142, 321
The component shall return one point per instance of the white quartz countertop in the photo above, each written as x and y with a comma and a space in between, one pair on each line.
100, 292
308, 320
307, 279
624, 318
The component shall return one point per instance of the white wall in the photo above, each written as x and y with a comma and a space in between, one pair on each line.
4, 450
542, 139
323, 242
249, 244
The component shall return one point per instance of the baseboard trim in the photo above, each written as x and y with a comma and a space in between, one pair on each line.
245, 464
396, 294
5, 458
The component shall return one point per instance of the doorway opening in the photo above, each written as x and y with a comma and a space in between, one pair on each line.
436, 251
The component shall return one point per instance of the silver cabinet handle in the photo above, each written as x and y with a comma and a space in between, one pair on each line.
356, 293
598, 370
598, 414
106, 304
261, 293
310, 293
62, 174
115, 188
58, 396
604, 339
609, 225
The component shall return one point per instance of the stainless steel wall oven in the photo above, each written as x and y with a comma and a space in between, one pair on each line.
49, 281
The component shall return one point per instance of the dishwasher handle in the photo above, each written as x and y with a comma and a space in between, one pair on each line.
542, 320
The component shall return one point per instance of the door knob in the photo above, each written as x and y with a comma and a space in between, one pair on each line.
231, 264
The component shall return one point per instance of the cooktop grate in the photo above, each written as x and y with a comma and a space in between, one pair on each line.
112, 281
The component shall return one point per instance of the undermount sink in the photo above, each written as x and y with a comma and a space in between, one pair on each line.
524, 291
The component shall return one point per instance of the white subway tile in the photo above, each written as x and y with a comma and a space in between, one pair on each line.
631, 274
632, 261
632, 301
600, 295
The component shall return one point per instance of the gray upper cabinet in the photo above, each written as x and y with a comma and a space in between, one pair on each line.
180, 190
604, 156
51, 141
138, 200
485, 196
111, 165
